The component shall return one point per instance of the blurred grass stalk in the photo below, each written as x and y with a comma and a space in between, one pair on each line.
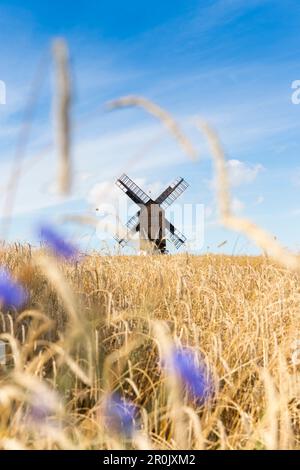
62, 97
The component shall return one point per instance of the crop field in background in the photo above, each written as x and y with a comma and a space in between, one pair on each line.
105, 324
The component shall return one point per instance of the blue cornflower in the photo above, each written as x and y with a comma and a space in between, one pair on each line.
120, 415
57, 244
43, 404
12, 294
39, 414
194, 378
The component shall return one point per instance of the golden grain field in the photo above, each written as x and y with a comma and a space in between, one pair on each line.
104, 325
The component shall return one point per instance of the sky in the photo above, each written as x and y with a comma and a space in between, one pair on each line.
233, 63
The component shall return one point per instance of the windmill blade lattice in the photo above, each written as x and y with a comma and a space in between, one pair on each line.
132, 190
175, 236
172, 193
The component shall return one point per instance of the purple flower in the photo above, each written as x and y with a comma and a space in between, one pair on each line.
39, 414
120, 415
194, 377
43, 406
12, 294
57, 244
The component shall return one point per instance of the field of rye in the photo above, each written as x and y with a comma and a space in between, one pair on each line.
146, 352
161, 352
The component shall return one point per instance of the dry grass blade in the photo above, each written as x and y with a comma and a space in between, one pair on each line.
166, 345
262, 238
141, 442
10, 393
50, 269
62, 114
77, 328
270, 432
165, 117
71, 364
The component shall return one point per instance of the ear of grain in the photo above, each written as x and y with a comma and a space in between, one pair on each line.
163, 116
262, 238
62, 114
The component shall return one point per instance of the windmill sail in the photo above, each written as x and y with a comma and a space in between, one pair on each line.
121, 241
172, 193
133, 226
176, 237
132, 190
133, 222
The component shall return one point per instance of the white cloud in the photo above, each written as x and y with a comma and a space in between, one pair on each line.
103, 192
107, 192
241, 173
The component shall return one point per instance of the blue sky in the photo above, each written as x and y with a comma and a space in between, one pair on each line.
232, 62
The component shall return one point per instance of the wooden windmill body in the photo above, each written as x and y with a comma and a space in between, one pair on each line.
150, 221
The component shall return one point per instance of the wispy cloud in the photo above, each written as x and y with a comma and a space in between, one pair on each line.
241, 173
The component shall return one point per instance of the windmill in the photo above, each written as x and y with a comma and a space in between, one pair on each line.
150, 220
